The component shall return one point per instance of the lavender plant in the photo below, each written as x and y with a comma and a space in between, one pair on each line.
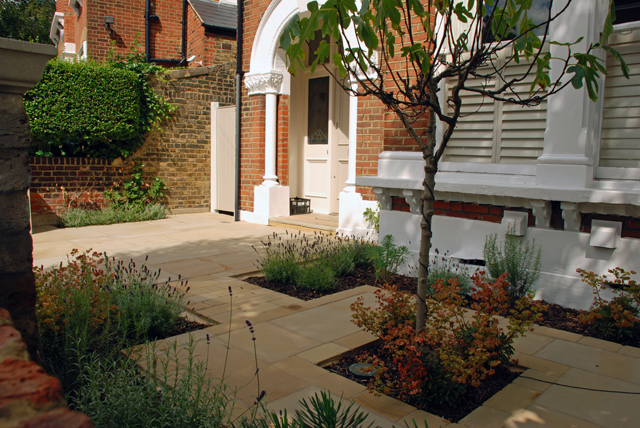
311, 261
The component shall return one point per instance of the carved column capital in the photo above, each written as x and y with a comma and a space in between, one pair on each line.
264, 83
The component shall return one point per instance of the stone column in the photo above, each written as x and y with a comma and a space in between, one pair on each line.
270, 125
353, 133
271, 199
22, 67
573, 120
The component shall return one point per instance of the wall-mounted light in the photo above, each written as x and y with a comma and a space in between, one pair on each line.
108, 21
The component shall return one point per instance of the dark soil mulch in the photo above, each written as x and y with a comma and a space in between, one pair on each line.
361, 275
184, 325
471, 400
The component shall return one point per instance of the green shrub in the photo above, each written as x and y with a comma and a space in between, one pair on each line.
87, 109
311, 262
316, 276
387, 258
516, 257
618, 318
93, 305
79, 217
135, 191
172, 390
320, 412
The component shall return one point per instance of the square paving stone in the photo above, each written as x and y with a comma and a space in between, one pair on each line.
485, 417
539, 417
273, 343
607, 409
512, 398
325, 323
592, 359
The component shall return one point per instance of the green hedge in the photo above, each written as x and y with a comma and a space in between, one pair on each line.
87, 109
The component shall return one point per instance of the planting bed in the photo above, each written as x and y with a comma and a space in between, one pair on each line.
555, 316
466, 404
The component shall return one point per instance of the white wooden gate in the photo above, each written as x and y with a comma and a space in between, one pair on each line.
223, 162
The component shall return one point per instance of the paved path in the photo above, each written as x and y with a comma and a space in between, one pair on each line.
294, 336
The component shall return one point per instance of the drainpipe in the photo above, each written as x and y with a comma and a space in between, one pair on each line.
148, 19
239, 73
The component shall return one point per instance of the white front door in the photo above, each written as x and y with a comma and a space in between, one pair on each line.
326, 142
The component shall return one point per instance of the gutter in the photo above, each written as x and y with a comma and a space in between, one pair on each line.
148, 19
239, 73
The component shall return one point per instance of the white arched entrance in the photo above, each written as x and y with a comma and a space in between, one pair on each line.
268, 77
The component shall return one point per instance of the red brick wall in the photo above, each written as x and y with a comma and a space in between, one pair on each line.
282, 140
253, 113
58, 182
180, 155
69, 23
165, 34
490, 213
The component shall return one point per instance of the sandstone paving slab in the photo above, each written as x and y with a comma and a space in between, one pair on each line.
607, 409
485, 417
356, 340
547, 367
605, 345
557, 334
512, 398
592, 359
301, 368
631, 351
387, 407
420, 417
531, 343
221, 313
190, 268
535, 380
325, 323
540, 417
323, 353
42, 252
273, 343
338, 385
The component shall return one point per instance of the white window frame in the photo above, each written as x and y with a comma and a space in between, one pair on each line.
57, 28
75, 5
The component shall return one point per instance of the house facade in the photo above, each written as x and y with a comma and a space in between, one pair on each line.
169, 32
565, 173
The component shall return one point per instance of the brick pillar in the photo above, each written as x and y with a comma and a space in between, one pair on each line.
23, 65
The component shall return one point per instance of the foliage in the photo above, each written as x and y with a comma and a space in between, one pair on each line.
446, 269
172, 389
320, 412
373, 217
28, 20
87, 109
316, 276
387, 258
312, 262
619, 317
455, 351
96, 305
80, 217
515, 257
402, 52
135, 191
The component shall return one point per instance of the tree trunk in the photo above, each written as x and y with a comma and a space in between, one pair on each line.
428, 197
